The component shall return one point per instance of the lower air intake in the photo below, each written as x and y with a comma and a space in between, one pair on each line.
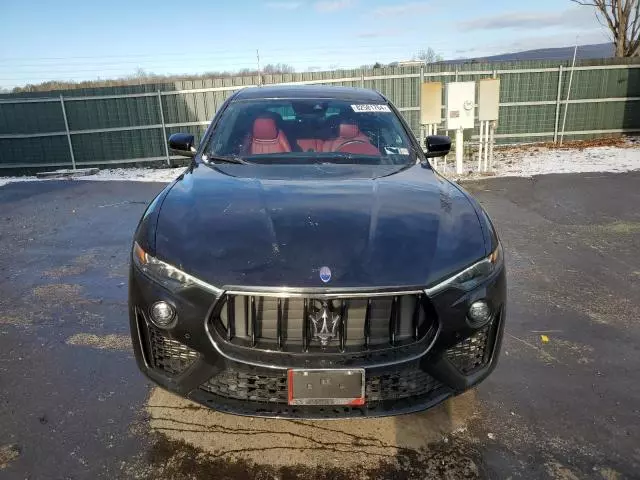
270, 386
472, 353
166, 354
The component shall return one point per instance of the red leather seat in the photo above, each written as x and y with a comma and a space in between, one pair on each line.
267, 138
350, 140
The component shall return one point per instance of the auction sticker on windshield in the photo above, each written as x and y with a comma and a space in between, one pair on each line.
370, 108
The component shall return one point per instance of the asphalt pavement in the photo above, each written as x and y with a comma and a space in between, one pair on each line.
564, 401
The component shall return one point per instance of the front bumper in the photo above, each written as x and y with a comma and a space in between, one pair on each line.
184, 360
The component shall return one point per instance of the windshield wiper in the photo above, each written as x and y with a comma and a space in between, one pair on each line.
226, 159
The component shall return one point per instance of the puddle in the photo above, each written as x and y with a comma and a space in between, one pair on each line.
345, 445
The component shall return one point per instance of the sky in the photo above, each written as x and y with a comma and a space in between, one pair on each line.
90, 39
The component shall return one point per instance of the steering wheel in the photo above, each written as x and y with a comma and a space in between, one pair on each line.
349, 142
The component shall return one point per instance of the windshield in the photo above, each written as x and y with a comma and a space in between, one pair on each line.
306, 131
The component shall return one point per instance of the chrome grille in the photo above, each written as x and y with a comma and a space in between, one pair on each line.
471, 353
294, 324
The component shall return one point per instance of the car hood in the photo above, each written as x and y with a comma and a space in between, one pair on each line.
279, 225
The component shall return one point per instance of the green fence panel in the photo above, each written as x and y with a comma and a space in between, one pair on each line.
51, 151
21, 118
188, 106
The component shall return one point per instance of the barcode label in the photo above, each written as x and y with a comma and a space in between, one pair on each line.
370, 108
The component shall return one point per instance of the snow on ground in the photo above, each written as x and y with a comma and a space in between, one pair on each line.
531, 160
163, 175
518, 161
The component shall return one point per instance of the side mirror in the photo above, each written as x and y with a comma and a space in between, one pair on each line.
182, 144
437, 145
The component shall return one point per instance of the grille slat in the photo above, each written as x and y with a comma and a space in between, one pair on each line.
254, 320
304, 324
279, 324
367, 325
231, 317
393, 321
343, 324
415, 317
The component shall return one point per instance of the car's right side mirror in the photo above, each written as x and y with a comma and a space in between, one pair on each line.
182, 144
437, 145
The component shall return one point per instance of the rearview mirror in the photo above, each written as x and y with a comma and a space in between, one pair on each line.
437, 145
182, 144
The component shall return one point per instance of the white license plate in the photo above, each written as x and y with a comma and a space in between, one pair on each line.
326, 386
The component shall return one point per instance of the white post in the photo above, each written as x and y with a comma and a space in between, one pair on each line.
486, 146
558, 103
566, 104
165, 140
459, 148
492, 130
259, 70
66, 127
480, 145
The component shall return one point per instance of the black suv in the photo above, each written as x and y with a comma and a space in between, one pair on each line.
310, 263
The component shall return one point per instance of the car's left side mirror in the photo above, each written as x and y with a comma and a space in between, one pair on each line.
182, 144
437, 145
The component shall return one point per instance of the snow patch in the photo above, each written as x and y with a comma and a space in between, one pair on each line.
543, 160
162, 175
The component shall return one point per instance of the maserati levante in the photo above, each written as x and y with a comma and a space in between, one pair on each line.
311, 263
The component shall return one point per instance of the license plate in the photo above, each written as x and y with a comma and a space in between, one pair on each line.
326, 386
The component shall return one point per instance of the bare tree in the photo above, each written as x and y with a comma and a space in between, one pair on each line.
622, 18
428, 56
278, 68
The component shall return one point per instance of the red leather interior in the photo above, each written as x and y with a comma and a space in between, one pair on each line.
267, 138
310, 144
350, 140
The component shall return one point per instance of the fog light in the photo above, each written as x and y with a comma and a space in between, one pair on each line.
479, 313
162, 314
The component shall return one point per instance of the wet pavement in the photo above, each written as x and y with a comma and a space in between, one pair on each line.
73, 404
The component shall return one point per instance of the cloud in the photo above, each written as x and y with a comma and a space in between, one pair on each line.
327, 6
402, 9
379, 33
283, 5
571, 17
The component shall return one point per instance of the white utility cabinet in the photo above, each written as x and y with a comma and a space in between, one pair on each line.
460, 105
488, 99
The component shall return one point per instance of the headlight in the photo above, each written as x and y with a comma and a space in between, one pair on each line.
472, 276
167, 275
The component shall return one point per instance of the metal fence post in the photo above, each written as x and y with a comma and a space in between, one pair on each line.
555, 129
66, 127
164, 129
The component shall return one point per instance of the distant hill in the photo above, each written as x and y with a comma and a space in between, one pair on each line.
585, 52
